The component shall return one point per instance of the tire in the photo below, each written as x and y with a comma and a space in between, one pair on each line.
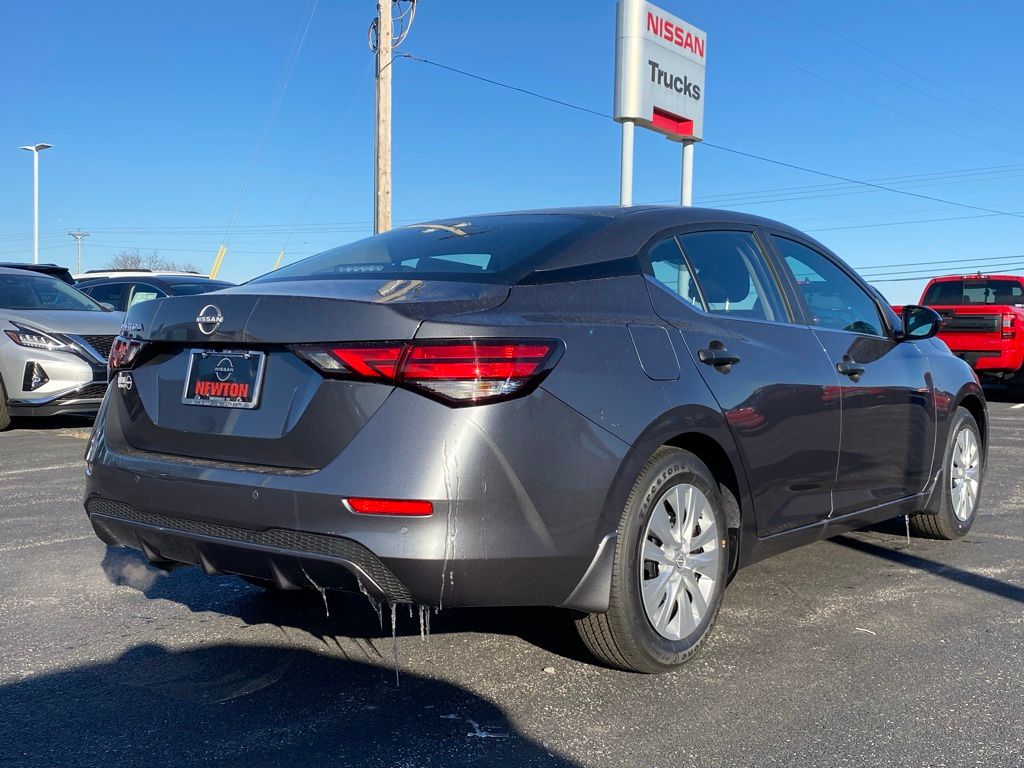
947, 523
626, 636
5, 414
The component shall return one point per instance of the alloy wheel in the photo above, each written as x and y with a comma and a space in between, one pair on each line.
965, 474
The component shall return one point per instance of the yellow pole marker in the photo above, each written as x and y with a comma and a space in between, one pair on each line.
278, 262
217, 261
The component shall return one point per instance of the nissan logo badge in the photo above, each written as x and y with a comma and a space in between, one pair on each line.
209, 319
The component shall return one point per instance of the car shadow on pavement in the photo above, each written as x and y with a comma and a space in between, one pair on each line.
336, 613
252, 705
902, 557
51, 424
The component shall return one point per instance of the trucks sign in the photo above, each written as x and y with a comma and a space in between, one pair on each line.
659, 71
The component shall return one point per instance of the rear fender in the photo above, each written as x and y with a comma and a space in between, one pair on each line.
695, 428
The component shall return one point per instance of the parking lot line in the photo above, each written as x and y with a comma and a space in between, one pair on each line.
11, 472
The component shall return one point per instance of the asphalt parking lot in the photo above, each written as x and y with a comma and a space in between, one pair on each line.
858, 651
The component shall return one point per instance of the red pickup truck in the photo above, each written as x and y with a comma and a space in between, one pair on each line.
984, 321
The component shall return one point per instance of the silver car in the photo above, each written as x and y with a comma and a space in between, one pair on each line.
53, 347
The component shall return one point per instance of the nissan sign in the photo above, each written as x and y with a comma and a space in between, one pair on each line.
659, 71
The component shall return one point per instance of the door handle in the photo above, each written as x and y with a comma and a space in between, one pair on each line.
717, 356
850, 367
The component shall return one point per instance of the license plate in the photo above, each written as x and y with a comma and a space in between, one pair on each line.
226, 379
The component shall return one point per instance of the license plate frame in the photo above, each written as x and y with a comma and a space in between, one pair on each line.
253, 379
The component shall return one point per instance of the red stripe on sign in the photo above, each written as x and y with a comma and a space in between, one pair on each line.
674, 124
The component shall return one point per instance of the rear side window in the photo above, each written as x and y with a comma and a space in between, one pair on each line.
200, 286
143, 292
492, 248
974, 291
108, 293
834, 299
671, 270
732, 275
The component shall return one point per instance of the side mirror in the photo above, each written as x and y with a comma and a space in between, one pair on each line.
920, 323
107, 306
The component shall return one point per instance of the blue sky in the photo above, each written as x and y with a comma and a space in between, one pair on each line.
157, 111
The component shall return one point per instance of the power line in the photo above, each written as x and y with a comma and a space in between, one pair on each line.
751, 155
956, 105
926, 266
922, 278
289, 68
908, 115
926, 263
503, 85
915, 73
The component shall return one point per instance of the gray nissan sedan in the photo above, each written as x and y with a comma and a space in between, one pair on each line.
609, 410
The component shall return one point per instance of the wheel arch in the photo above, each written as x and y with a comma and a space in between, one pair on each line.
976, 406
704, 432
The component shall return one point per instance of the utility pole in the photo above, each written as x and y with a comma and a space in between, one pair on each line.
382, 148
79, 235
35, 149
383, 41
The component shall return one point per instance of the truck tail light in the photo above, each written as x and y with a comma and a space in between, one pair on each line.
1009, 326
123, 354
454, 371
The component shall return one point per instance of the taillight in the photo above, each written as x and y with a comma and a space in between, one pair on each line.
455, 371
1009, 326
123, 353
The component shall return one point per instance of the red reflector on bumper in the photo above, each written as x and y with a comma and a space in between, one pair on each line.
391, 507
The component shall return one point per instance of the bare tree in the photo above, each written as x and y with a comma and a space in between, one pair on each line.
134, 258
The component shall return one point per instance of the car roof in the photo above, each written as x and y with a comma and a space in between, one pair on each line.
628, 228
975, 276
53, 270
6, 270
150, 278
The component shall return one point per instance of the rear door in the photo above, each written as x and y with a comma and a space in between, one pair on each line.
769, 374
888, 411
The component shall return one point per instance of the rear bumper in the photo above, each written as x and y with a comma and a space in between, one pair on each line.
985, 357
290, 559
517, 520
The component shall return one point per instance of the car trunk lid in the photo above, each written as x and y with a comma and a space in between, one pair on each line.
301, 420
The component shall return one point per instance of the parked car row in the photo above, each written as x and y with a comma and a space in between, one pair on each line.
58, 331
607, 410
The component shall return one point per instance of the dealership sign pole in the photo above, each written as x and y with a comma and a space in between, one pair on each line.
659, 84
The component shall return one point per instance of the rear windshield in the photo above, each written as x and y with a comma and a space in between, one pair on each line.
35, 291
191, 289
482, 249
983, 291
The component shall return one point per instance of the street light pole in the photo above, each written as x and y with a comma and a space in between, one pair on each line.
35, 149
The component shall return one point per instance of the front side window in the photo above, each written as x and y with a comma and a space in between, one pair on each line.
733, 276
833, 297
